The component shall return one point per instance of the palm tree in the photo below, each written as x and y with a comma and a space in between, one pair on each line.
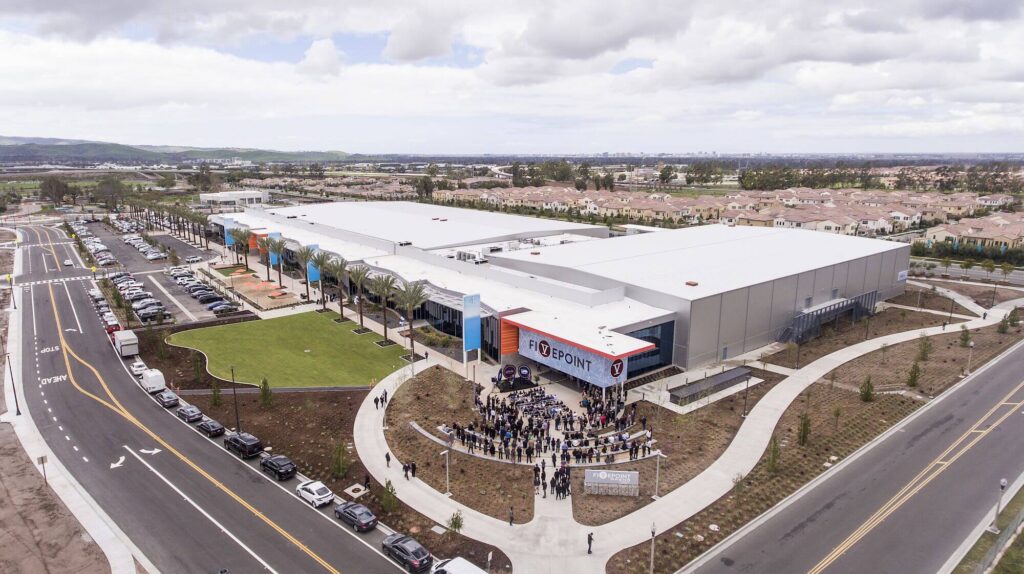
263, 244
336, 267
383, 286
303, 255
408, 298
236, 239
320, 260
276, 246
357, 275
246, 236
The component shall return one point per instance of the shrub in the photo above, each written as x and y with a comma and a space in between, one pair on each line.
924, 348
1003, 326
867, 391
965, 336
340, 462
388, 499
915, 375
266, 394
215, 395
455, 522
805, 429
774, 455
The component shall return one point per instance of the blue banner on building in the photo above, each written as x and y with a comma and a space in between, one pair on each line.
312, 273
272, 255
229, 224
470, 322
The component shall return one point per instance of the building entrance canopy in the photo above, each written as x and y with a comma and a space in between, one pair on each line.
596, 355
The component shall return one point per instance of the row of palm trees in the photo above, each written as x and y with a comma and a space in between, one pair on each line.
182, 220
406, 296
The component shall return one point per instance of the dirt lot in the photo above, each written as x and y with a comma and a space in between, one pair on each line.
439, 396
307, 427
691, 442
982, 294
859, 422
928, 299
844, 334
938, 373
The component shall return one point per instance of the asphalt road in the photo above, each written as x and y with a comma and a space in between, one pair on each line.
184, 501
907, 504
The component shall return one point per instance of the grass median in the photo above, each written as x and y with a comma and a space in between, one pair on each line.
302, 350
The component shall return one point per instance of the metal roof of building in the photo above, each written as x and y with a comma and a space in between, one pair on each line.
697, 262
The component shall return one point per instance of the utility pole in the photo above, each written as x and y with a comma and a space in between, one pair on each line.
234, 392
653, 532
447, 482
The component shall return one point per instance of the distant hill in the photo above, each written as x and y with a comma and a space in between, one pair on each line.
52, 150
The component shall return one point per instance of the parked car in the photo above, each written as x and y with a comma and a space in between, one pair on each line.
193, 259
356, 515
189, 413
278, 465
315, 493
137, 368
408, 552
167, 399
210, 298
244, 445
211, 428
67, 263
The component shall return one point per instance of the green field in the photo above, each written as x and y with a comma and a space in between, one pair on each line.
303, 350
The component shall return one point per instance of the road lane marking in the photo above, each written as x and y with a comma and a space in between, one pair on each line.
68, 352
200, 509
72, 303
929, 473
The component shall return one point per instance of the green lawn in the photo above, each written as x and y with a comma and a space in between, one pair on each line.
303, 350
226, 271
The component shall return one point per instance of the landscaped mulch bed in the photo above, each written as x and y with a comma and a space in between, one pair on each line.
928, 299
691, 443
307, 427
842, 334
942, 369
437, 396
859, 422
981, 294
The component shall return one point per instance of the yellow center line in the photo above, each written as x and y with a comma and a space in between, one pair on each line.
118, 408
929, 473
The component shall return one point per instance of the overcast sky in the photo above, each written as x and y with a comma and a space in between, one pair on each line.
565, 76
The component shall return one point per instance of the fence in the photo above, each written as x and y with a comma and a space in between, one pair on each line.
1000, 544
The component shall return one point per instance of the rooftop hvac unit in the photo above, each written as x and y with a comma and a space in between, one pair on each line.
404, 243
480, 261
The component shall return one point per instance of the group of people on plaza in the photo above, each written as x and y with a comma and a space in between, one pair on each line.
559, 483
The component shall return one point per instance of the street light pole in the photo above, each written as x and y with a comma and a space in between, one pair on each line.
14, 388
653, 532
994, 529
657, 473
234, 392
447, 483
746, 391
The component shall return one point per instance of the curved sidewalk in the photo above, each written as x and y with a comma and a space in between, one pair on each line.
553, 543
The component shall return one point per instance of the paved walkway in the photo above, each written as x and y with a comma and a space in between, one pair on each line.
553, 541
923, 310
964, 301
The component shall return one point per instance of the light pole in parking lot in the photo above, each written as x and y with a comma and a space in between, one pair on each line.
234, 393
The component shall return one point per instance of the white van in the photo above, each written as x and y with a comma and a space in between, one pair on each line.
457, 565
153, 381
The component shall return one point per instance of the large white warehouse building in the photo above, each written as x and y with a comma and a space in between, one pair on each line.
601, 308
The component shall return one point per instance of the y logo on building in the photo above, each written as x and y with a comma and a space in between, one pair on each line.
616, 368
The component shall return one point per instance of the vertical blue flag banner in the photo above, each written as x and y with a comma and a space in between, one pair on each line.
470, 322
273, 256
229, 224
312, 273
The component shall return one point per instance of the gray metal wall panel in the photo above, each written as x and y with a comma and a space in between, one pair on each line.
842, 278
704, 318
759, 314
823, 284
855, 282
872, 272
733, 325
805, 289
783, 297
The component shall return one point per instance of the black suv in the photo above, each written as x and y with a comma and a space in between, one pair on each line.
356, 515
278, 465
244, 445
407, 552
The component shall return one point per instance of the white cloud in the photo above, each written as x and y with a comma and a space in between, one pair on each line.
740, 75
322, 58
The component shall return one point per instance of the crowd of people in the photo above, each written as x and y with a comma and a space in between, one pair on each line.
535, 426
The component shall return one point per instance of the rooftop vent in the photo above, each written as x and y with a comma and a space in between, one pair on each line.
691, 283
404, 243
535, 253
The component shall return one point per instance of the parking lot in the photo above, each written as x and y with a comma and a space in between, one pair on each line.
151, 273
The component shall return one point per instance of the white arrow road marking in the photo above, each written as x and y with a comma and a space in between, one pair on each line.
117, 464
144, 451
70, 330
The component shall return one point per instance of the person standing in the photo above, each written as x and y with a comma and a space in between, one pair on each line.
376, 403
511, 516
387, 458
590, 543
405, 470
412, 468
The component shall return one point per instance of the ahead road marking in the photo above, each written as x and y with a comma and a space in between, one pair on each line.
200, 509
